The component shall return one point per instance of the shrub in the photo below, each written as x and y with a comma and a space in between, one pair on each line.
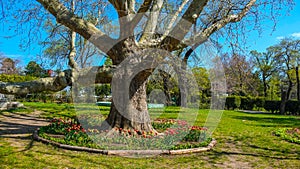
292, 106
233, 102
291, 135
259, 102
272, 106
247, 103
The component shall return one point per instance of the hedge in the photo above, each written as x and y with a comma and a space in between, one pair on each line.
247, 103
233, 102
292, 107
272, 106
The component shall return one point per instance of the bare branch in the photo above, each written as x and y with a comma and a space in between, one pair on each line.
75, 23
204, 35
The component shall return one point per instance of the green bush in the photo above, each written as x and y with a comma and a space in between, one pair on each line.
247, 103
293, 107
272, 106
233, 102
15, 78
259, 102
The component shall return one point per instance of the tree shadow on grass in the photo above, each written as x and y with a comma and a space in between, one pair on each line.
262, 120
291, 152
23, 117
20, 127
222, 153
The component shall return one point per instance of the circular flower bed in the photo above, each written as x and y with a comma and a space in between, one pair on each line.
290, 135
169, 134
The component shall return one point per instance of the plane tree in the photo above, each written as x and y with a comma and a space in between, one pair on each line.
146, 37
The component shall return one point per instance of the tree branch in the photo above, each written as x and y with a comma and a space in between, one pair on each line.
205, 34
144, 8
180, 30
58, 83
75, 23
72, 54
151, 24
174, 18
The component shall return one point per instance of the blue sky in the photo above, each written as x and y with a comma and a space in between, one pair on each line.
287, 26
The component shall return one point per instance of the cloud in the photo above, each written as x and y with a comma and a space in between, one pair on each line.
296, 35
280, 37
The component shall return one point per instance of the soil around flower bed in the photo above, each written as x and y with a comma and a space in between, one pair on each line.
126, 152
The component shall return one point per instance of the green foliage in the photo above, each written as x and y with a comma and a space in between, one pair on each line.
293, 107
67, 132
247, 103
272, 106
233, 102
72, 133
34, 69
244, 103
108, 61
102, 90
15, 78
288, 134
202, 78
259, 102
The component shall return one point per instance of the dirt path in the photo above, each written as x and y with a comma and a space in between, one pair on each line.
17, 128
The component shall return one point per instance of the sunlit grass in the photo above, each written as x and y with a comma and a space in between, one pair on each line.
244, 140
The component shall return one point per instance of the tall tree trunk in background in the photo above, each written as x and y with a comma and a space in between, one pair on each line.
289, 91
265, 86
298, 83
166, 85
283, 101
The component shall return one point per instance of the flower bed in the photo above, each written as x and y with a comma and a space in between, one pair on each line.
173, 135
290, 135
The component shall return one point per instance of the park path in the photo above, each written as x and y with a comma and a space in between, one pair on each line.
17, 129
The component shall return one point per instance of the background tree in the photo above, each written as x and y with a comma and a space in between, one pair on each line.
103, 90
34, 69
63, 44
265, 63
8, 66
241, 80
287, 56
202, 78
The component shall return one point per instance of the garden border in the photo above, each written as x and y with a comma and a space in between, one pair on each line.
125, 152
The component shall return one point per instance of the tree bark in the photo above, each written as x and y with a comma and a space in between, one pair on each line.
132, 114
289, 90
265, 86
283, 101
298, 83
58, 83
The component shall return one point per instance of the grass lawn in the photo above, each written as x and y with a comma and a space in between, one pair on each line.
244, 141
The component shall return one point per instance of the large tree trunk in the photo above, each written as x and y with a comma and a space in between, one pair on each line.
129, 106
131, 113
